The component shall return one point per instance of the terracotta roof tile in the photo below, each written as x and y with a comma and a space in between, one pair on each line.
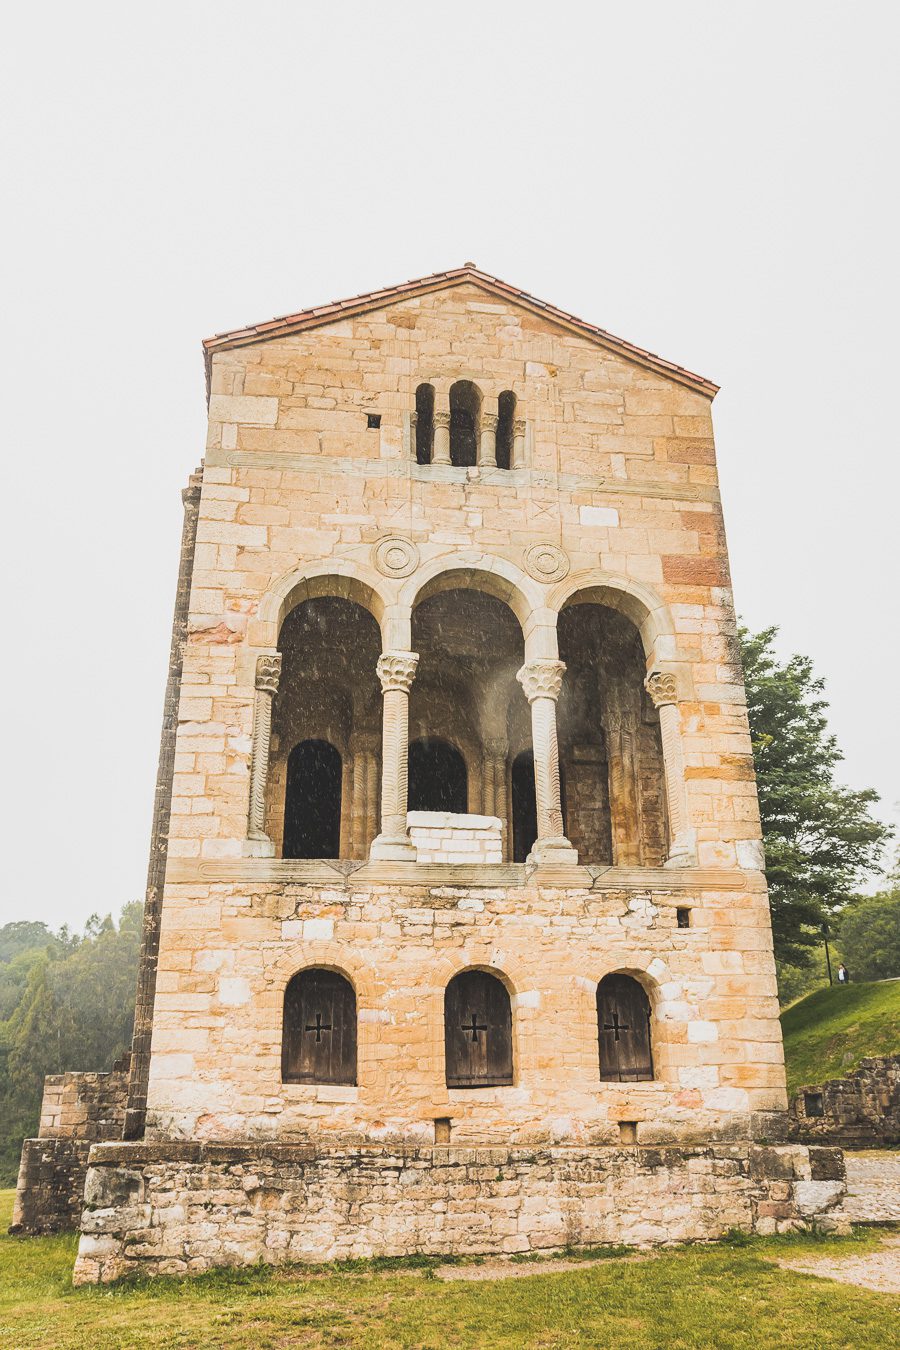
313, 318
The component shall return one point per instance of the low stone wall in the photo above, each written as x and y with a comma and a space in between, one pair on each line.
77, 1110
179, 1208
442, 837
859, 1111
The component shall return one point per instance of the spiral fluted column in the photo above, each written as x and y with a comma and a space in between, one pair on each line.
663, 690
542, 681
396, 671
268, 672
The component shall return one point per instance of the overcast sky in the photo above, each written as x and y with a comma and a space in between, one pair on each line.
714, 182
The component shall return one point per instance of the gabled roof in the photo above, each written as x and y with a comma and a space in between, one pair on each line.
439, 281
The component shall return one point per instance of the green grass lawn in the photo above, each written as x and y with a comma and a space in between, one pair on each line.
714, 1297
827, 1033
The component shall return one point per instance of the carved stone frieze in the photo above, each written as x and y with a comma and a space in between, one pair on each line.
541, 679
395, 556
268, 672
546, 562
397, 670
662, 688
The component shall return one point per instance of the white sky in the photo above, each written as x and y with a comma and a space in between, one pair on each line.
714, 182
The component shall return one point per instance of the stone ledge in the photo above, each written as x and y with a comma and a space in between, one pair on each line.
287, 871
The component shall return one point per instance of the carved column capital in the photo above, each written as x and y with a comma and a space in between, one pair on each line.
662, 688
519, 426
397, 670
489, 421
268, 672
442, 419
541, 679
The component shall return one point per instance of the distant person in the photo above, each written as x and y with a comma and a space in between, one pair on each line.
843, 974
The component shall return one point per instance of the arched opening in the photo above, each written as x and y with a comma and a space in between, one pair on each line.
437, 777
424, 423
465, 694
318, 1042
324, 775
312, 802
623, 1028
465, 415
524, 806
611, 762
477, 1031
506, 419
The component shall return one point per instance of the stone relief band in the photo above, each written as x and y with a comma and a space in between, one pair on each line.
268, 673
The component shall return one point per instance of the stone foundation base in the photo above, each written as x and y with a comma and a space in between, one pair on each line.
50, 1186
181, 1208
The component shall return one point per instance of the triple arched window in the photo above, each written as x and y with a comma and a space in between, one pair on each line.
465, 433
319, 1030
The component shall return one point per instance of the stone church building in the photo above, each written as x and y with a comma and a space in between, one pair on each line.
457, 936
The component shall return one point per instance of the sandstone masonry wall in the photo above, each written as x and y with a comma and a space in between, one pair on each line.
170, 1209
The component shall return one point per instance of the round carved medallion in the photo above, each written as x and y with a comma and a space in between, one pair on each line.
546, 562
395, 557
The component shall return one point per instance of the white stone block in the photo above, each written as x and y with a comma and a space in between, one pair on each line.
751, 855
598, 515
234, 991
699, 1032
318, 930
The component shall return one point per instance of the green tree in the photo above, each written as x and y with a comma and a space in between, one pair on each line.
870, 936
821, 838
69, 1002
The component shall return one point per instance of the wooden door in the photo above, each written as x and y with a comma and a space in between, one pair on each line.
319, 1034
477, 1031
623, 1018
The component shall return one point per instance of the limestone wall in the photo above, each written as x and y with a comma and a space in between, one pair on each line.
230, 946
170, 1209
617, 497
615, 503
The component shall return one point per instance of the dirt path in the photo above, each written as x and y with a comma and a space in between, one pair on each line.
877, 1270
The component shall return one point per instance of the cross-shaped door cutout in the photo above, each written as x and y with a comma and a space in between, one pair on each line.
474, 1028
615, 1026
319, 1027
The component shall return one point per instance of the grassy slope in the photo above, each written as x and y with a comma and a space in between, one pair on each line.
717, 1297
827, 1033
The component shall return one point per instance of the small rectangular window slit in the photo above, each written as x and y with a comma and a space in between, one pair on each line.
813, 1104
442, 1130
373, 421
683, 918
628, 1131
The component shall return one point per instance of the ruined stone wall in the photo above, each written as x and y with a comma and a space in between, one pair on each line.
859, 1111
179, 1209
77, 1110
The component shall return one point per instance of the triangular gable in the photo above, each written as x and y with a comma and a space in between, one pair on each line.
438, 281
